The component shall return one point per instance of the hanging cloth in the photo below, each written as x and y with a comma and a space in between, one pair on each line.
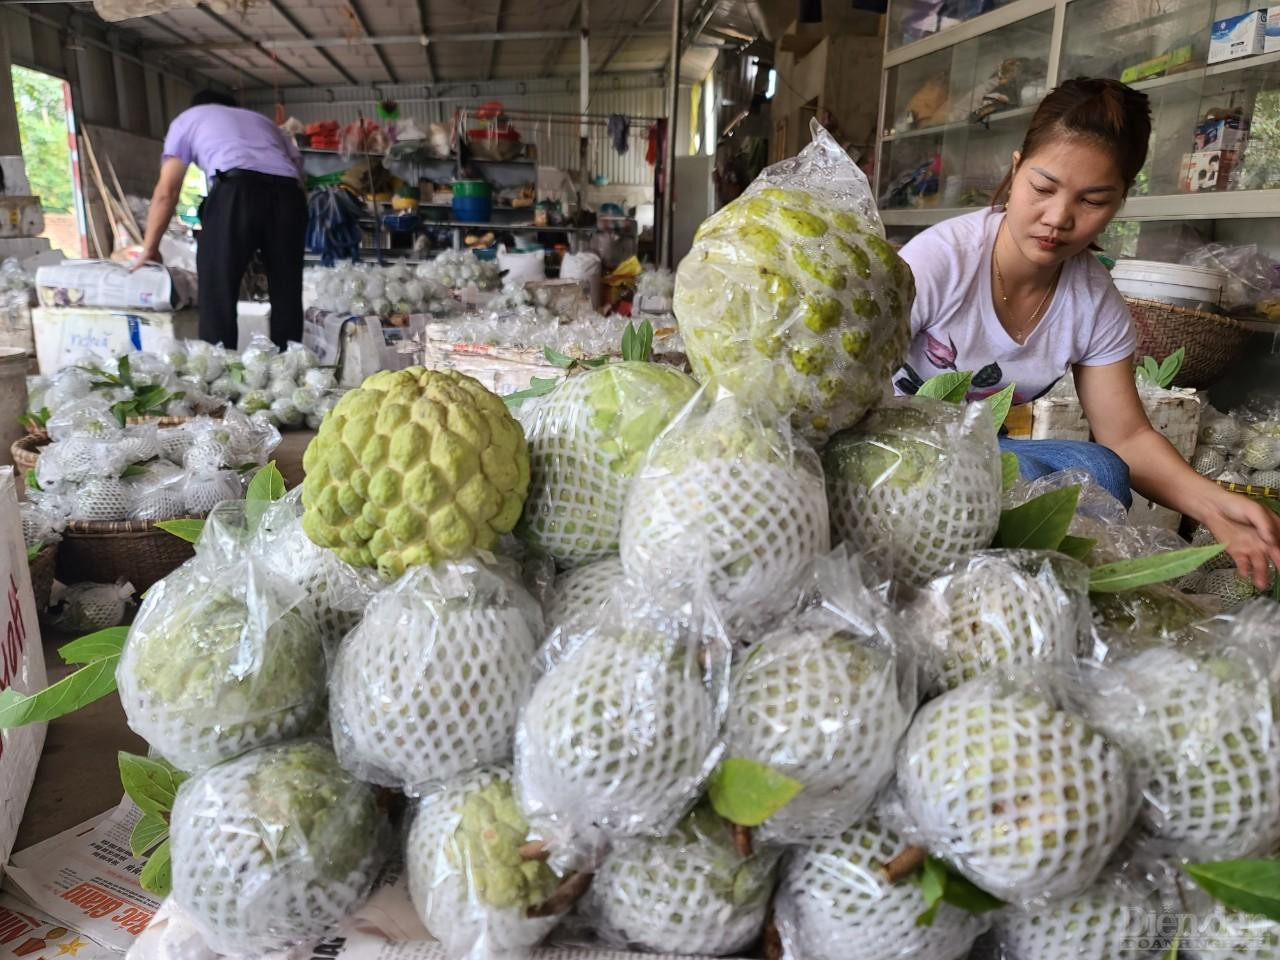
619, 131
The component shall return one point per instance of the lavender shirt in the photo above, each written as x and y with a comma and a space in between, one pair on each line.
214, 138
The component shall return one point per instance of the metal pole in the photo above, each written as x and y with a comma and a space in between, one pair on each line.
673, 109
584, 100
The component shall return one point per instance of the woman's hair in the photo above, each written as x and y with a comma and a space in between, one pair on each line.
1104, 113
213, 96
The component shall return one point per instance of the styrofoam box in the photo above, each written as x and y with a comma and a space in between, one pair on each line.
21, 667
15, 176
20, 216
64, 334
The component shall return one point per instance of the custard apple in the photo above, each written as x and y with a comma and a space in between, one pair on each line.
730, 500
273, 848
217, 662
1112, 919
1230, 588
915, 486
467, 879
203, 491
587, 439
430, 683
1220, 431
414, 467
616, 740
835, 904
1004, 608
821, 705
791, 292
101, 499
1261, 452
1026, 799
1208, 461
690, 892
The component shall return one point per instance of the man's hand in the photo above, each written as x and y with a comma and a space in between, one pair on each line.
142, 255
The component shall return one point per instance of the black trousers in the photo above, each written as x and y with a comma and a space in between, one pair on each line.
243, 214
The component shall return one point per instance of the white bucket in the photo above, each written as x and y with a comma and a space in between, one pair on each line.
1173, 283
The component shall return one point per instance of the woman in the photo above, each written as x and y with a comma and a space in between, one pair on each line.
1015, 294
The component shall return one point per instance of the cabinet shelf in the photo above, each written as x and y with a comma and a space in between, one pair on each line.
1213, 70
977, 126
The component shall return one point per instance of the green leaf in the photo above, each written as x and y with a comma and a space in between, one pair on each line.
557, 359
1000, 404
95, 646
1140, 571
1176, 945
150, 830
965, 895
1039, 524
1171, 365
538, 387
933, 880
151, 784
69, 694
123, 371
134, 470
1078, 548
1149, 370
1250, 886
157, 875
748, 793
267, 485
1008, 470
33, 551
31, 480
951, 386
594, 362
188, 530
637, 342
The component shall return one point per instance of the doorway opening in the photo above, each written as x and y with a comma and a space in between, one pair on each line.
46, 128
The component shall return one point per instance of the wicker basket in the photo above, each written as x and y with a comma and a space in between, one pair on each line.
1268, 493
106, 551
1213, 341
26, 451
41, 567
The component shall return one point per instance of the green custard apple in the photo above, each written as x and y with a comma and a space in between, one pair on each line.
835, 904
690, 892
1025, 799
794, 293
414, 467
586, 440
468, 882
915, 486
1110, 920
274, 848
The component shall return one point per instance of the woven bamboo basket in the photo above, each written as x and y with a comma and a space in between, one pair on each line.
1213, 341
25, 451
1268, 493
42, 566
106, 551
38, 431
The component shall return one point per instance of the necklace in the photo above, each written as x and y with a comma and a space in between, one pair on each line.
1024, 330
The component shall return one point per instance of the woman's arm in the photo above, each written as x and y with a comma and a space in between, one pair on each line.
1250, 532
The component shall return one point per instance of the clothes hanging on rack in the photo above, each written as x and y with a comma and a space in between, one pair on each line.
619, 131
656, 142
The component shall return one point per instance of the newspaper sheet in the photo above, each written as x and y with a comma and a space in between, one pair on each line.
104, 283
28, 934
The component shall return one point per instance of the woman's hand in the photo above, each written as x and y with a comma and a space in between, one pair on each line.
1249, 531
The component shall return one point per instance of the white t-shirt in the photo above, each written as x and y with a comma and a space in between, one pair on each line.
954, 324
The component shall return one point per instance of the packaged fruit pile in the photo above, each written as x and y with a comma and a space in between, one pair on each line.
664, 658
367, 289
1242, 446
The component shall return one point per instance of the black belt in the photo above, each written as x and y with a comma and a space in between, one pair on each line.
240, 174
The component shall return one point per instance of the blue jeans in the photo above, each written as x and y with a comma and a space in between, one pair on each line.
1039, 457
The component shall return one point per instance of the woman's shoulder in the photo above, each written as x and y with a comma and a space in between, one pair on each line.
962, 237
1090, 279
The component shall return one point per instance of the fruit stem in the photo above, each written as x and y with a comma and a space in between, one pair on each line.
566, 895
742, 840
904, 864
772, 943
535, 850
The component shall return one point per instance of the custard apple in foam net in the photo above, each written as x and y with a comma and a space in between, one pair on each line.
616, 740
217, 662
586, 439
1208, 461
1261, 452
1265, 478
467, 879
415, 466
1229, 587
731, 498
273, 848
916, 486
579, 596
835, 904
1025, 798
431, 682
101, 499
1004, 608
201, 492
690, 892
820, 704
791, 291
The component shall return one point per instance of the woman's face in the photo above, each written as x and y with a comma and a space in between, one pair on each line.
1062, 197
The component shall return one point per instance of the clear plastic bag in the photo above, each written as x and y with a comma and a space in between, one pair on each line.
274, 848
730, 498
579, 596
915, 486
587, 439
101, 499
86, 607
42, 522
1252, 276
88, 418
824, 698
834, 903
204, 490
158, 493
791, 292
471, 884
1008, 781
430, 684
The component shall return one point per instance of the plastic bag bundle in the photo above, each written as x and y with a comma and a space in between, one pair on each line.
824, 698
256, 360
690, 892
202, 491
587, 439
455, 269
1148, 616
149, 369
835, 904
731, 498
1219, 430
86, 607
89, 418
65, 386
219, 661
1001, 609
274, 848
173, 442
42, 522
99, 500
430, 684
158, 493
1016, 788
659, 283
139, 442
916, 486
472, 887
1199, 719
205, 360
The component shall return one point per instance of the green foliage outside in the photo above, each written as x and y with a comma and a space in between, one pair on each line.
42, 127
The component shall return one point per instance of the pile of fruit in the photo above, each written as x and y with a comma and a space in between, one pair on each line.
1240, 447
633, 694
368, 289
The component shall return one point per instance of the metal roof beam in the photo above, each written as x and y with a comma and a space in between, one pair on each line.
228, 25
302, 31
387, 40
353, 6
426, 43
156, 21
556, 50
493, 46
621, 41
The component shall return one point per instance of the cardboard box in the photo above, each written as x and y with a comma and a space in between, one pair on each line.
62, 336
20, 216
1236, 37
1271, 31
1207, 170
1156, 66
1228, 133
